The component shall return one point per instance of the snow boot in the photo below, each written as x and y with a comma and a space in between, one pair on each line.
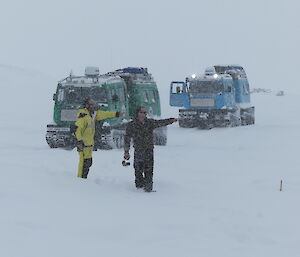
148, 187
139, 183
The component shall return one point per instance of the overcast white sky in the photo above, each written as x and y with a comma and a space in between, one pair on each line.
173, 38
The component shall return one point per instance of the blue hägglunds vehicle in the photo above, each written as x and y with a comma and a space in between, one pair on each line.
220, 97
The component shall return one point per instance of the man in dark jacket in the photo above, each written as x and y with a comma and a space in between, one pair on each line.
141, 131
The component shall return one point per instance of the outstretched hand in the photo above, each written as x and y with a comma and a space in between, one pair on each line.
174, 120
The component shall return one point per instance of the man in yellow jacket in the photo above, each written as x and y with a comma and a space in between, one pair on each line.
85, 132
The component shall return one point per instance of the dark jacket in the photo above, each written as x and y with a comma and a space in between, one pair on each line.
142, 133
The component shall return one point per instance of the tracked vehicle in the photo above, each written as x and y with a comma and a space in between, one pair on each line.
220, 97
121, 90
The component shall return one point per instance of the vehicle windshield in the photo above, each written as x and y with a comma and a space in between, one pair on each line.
79, 94
223, 69
205, 87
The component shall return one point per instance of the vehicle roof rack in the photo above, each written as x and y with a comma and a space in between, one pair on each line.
135, 73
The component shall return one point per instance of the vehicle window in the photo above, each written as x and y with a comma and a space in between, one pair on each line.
122, 94
146, 98
72, 95
151, 96
85, 92
112, 93
228, 89
60, 95
79, 94
97, 94
156, 96
177, 88
246, 88
205, 87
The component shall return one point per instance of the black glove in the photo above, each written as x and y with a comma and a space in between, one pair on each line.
80, 146
126, 155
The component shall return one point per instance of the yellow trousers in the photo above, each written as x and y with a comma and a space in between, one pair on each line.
85, 162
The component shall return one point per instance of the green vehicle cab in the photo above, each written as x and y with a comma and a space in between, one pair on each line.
121, 90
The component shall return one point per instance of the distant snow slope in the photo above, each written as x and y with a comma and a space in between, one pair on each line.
217, 190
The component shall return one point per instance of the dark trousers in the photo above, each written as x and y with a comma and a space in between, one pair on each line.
84, 166
87, 163
143, 166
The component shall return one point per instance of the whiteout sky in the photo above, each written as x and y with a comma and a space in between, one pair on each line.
172, 38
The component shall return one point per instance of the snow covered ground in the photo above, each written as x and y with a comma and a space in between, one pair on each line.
217, 190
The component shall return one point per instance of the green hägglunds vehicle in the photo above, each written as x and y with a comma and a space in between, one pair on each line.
121, 90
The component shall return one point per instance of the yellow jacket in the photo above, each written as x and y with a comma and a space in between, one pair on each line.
85, 124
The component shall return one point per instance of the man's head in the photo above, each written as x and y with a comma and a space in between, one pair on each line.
89, 104
141, 113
